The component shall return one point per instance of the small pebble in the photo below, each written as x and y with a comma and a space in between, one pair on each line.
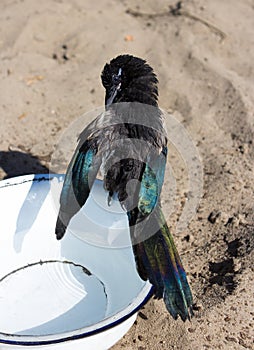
231, 339
197, 307
237, 265
242, 343
142, 315
243, 335
213, 216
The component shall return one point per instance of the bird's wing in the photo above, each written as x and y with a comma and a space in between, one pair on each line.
155, 253
149, 194
151, 183
79, 179
158, 261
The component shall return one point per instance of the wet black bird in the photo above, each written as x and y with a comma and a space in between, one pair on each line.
127, 146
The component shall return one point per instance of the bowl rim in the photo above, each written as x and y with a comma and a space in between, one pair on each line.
34, 340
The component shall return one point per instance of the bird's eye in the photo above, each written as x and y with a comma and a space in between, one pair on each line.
116, 78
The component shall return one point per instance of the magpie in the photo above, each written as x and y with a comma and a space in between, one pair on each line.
126, 146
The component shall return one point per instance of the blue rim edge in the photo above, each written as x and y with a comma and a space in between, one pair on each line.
48, 177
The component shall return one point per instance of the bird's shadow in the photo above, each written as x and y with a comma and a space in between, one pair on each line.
16, 163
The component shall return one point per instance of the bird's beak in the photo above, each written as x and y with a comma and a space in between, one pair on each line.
112, 94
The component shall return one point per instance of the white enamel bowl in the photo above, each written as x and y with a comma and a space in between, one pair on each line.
82, 292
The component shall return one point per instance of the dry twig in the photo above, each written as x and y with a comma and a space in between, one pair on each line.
177, 10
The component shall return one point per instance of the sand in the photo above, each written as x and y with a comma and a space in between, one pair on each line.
52, 53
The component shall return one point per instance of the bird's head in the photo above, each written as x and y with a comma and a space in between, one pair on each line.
129, 79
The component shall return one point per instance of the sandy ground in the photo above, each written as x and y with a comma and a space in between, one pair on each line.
52, 53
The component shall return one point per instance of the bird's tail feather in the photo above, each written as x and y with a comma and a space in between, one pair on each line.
158, 260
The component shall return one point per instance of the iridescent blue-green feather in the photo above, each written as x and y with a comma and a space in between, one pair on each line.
177, 294
80, 175
156, 256
162, 265
151, 183
78, 181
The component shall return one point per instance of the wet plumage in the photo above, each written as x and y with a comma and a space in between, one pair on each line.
127, 146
